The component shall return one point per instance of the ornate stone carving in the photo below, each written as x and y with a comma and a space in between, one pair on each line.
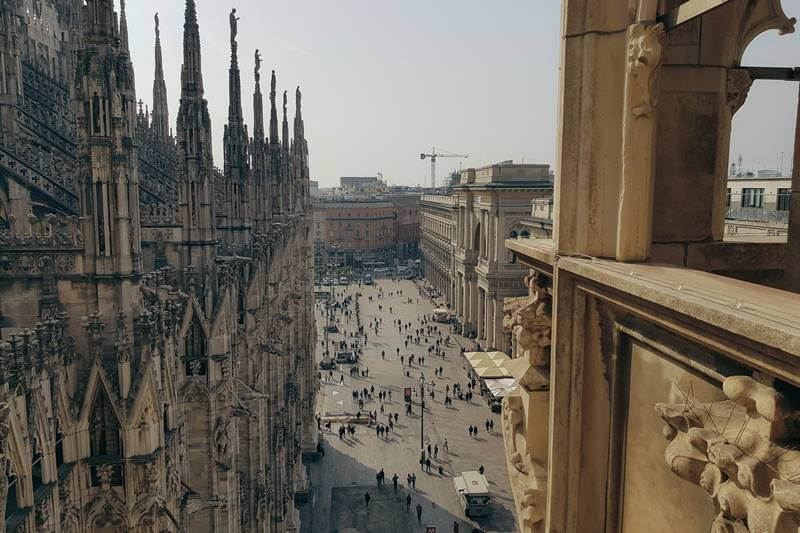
222, 438
739, 83
645, 50
741, 451
529, 318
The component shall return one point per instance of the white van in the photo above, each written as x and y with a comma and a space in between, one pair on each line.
473, 493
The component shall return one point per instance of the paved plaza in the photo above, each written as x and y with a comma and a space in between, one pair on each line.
347, 470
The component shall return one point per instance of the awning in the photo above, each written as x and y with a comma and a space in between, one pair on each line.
488, 364
501, 387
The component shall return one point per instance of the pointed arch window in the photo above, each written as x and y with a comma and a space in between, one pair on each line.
195, 349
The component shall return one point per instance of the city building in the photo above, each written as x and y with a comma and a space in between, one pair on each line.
437, 223
357, 229
757, 204
354, 183
656, 361
156, 313
492, 203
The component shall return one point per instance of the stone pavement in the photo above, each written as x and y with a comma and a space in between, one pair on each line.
352, 463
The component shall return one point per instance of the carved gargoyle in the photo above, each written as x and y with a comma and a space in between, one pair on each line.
747, 463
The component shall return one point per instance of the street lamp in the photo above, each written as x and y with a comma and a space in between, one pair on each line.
422, 412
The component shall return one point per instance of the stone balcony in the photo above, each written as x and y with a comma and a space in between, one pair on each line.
650, 355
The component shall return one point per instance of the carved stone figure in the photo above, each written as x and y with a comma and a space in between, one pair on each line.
645, 50
739, 451
222, 437
234, 20
739, 83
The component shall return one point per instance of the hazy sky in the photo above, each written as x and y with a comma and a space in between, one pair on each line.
383, 81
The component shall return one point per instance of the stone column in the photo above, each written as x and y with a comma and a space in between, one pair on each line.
490, 320
499, 335
481, 312
634, 227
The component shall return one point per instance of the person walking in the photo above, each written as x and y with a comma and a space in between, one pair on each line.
394, 481
367, 498
455, 526
436, 451
428, 464
445, 445
408, 502
419, 513
470, 430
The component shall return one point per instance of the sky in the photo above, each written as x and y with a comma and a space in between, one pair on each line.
383, 81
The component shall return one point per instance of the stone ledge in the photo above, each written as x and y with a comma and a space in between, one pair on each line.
767, 316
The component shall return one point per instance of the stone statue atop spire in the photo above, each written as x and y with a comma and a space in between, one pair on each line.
234, 28
258, 66
158, 33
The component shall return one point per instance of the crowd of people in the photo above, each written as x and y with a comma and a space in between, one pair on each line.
374, 407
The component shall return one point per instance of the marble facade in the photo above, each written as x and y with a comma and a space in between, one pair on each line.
156, 312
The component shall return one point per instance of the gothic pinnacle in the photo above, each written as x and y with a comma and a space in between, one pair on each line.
285, 125
273, 114
191, 72
123, 26
160, 117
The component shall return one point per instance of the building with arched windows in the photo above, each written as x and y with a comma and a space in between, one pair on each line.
493, 203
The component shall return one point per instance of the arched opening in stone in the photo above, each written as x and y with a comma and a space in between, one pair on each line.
758, 188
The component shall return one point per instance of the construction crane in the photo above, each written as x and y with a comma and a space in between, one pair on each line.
433, 157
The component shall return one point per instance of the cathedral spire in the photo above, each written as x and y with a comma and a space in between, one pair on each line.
123, 26
258, 102
160, 117
234, 80
191, 72
299, 132
285, 125
273, 114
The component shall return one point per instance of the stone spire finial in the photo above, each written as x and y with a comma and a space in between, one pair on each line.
191, 72
285, 124
123, 26
273, 114
299, 132
234, 30
160, 117
258, 104
190, 15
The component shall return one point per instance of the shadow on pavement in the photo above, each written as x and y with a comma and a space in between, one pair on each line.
338, 504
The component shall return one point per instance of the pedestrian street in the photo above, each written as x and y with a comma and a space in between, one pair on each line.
348, 491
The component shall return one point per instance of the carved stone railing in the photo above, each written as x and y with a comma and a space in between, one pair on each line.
159, 214
21, 160
158, 168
